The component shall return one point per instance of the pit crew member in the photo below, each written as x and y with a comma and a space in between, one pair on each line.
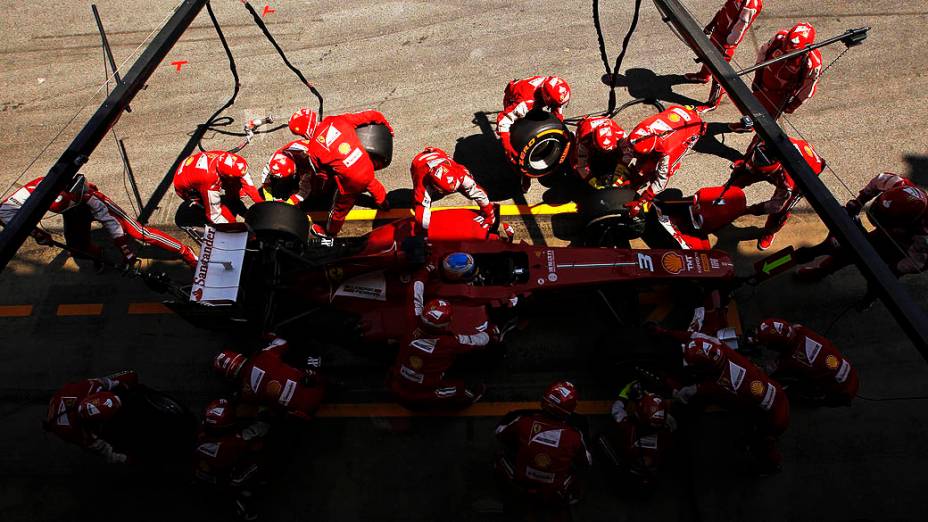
78, 411
216, 181
784, 86
336, 151
266, 380
81, 204
657, 146
546, 93
434, 176
900, 237
227, 457
758, 165
543, 453
417, 378
726, 31
809, 363
597, 152
640, 437
725, 377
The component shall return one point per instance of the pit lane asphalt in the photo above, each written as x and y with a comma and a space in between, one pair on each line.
860, 463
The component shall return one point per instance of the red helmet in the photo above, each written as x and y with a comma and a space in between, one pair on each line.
99, 406
606, 137
774, 332
764, 163
703, 352
560, 399
229, 363
555, 91
643, 141
652, 409
898, 207
282, 166
801, 35
446, 179
231, 165
219, 414
303, 122
436, 314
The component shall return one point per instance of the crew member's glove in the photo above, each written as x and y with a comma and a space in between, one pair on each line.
484, 221
384, 205
684, 394
128, 256
42, 237
853, 207
489, 217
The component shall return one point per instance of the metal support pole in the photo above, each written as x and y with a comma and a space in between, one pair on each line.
106, 47
908, 314
78, 152
130, 174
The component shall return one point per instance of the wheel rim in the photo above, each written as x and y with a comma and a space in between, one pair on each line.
545, 154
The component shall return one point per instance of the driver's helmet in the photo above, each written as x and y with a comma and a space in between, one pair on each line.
231, 165
459, 266
555, 92
652, 410
898, 207
99, 406
560, 399
281, 166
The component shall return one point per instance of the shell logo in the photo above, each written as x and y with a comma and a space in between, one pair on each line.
344, 148
674, 117
831, 362
273, 387
672, 262
415, 362
542, 460
757, 388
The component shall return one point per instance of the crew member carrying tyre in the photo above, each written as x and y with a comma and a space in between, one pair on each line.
336, 151
726, 31
434, 176
784, 86
597, 153
417, 378
78, 411
544, 454
80, 205
727, 378
227, 457
901, 233
656, 147
809, 363
537, 93
216, 181
266, 380
759, 165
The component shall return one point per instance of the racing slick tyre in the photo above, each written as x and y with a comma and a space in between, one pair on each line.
542, 142
378, 142
606, 220
273, 220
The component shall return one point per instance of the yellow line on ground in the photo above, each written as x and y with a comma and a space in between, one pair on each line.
80, 309
481, 409
148, 309
368, 214
16, 311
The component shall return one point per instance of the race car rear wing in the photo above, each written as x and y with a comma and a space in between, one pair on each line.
219, 270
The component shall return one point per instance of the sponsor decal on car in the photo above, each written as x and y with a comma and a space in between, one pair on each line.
672, 262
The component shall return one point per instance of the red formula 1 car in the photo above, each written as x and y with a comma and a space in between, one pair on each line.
285, 278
